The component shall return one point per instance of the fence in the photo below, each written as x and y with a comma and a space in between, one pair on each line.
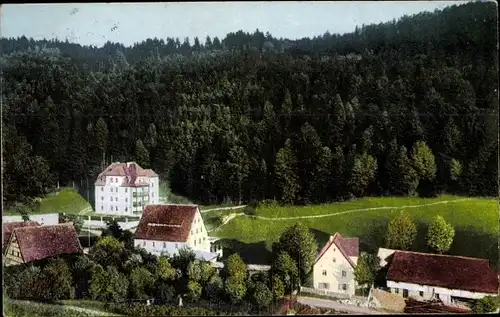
322, 292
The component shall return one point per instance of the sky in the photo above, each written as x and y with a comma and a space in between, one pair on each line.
128, 23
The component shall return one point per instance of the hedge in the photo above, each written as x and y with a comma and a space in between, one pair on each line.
164, 310
40, 310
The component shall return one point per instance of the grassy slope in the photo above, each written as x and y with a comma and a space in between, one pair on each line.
475, 221
66, 200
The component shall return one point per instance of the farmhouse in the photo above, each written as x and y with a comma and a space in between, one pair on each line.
451, 279
125, 188
168, 228
334, 267
31, 243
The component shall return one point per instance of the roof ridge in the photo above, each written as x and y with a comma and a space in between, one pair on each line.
442, 255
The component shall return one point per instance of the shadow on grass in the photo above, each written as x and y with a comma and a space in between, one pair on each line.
374, 237
251, 253
321, 237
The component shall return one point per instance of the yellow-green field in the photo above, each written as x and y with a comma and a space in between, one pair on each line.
476, 223
66, 200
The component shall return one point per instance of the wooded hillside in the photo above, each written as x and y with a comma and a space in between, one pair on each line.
405, 107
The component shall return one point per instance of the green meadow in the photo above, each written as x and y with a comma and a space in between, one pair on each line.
476, 223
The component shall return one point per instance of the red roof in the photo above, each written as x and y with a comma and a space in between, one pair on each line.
349, 247
8, 227
41, 242
131, 170
453, 272
170, 223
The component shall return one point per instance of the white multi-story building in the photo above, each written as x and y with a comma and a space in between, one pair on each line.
165, 229
125, 188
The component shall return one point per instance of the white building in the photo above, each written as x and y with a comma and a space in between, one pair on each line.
451, 279
125, 188
334, 267
168, 228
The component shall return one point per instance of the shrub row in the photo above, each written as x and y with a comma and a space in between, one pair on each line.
41, 310
164, 310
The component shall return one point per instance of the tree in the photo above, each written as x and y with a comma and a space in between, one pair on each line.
423, 161
141, 283
194, 291
141, 154
213, 288
77, 221
286, 176
236, 268
300, 244
487, 304
108, 285
277, 288
164, 292
286, 269
107, 251
362, 174
112, 229
403, 179
164, 270
58, 282
235, 289
101, 137
82, 270
401, 232
262, 296
440, 235
366, 269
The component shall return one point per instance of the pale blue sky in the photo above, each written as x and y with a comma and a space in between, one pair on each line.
93, 23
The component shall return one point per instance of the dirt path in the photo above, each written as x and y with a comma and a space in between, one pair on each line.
330, 304
228, 218
357, 210
223, 208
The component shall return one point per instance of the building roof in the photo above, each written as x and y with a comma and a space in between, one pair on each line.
168, 222
41, 242
8, 227
349, 247
452, 272
389, 301
130, 170
384, 254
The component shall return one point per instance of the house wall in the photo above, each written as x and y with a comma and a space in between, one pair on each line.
445, 294
334, 271
114, 199
198, 237
43, 219
13, 253
158, 247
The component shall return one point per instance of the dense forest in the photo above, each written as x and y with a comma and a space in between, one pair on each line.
408, 107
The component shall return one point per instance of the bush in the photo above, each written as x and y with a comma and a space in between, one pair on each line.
249, 210
160, 310
40, 310
487, 304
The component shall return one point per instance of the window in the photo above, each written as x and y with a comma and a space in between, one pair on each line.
344, 287
334, 260
111, 198
153, 194
324, 286
344, 273
191, 231
138, 245
176, 246
116, 208
153, 185
126, 208
199, 240
334, 249
116, 198
201, 229
164, 245
144, 243
421, 294
437, 295
195, 242
196, 230
204, 238
111, 179
102, 197
102, 207
111, 208
102, 189
323, 273
405, 293
126, 200
126, 190
153, 244
396, 290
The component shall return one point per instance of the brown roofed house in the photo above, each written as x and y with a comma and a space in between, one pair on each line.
451, 279
333, 269
169, 227
28, 244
